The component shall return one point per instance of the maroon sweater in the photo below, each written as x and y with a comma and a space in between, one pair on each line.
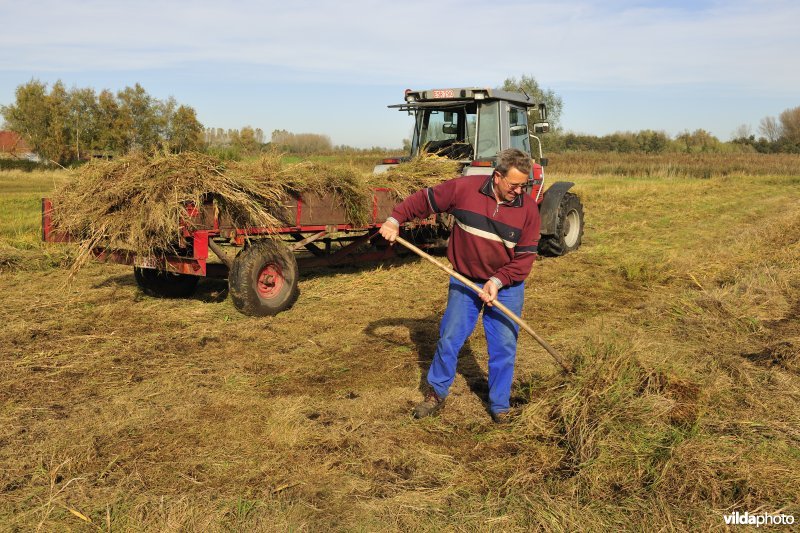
488, 239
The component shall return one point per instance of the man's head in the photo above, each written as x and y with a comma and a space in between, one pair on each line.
511, 174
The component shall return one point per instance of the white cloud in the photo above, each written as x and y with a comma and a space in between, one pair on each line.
625, 64
582, 43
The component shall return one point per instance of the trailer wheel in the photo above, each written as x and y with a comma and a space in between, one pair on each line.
263, 279
161, 284
569, 228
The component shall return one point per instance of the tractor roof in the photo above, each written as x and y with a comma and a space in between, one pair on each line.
435, 97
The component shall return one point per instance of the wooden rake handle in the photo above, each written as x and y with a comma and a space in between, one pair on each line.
510, 314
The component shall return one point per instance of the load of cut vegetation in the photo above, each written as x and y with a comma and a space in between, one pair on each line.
349, 186
137, 203
425, 170
346, 184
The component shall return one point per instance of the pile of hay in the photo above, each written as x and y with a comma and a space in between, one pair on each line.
343, 182
136, 203
426, 170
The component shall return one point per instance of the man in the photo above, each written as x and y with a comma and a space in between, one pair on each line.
493, 243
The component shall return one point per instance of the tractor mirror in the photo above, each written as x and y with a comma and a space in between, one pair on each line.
449, 128
542, 111
541, 127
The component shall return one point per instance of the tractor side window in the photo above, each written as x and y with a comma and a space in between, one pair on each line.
518, 125
472, 122
488, 131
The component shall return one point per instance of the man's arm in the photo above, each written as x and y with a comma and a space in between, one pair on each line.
421, 204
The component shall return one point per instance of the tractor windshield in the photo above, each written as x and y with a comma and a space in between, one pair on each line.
448, 132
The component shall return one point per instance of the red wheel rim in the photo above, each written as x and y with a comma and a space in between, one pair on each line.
270, 281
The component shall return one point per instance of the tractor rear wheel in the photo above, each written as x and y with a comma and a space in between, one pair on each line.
569, 228
162, 284
263, 279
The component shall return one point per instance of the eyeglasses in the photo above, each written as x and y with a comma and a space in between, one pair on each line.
513, 185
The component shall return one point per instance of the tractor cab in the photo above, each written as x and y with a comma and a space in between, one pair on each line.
472, 125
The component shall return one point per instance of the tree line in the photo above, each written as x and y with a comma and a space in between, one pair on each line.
67, 125
233, 143
778, 135
781, 135
645, 141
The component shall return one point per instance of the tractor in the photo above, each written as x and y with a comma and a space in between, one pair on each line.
471, 125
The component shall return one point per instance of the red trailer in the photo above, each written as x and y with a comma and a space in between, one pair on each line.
261, 264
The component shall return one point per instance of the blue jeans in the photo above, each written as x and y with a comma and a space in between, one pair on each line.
463, 307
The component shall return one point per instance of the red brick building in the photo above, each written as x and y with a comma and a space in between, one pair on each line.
11, 143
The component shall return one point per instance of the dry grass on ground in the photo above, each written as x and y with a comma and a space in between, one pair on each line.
123, 412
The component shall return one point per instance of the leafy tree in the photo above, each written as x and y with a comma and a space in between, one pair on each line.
29, 116
248, 141
790, 126
185, 132
528, 85
110, 125
84, 114
652, 142
301, 143
698, 141
58, 146
164, 112
139, 117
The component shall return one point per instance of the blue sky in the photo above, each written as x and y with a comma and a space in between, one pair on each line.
333, 67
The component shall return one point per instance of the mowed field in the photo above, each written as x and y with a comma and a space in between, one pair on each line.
121, 412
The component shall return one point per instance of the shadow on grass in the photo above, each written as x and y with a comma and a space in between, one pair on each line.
214, 290
424, 333
209, 290
405, 257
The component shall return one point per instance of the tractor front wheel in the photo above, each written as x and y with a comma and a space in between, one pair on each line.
162, 284
263, 279
569, 228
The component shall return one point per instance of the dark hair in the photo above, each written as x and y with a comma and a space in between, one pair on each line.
513, 158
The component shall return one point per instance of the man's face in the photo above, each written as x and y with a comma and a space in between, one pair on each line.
510, 186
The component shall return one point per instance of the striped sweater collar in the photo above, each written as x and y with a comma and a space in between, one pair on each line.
488, 189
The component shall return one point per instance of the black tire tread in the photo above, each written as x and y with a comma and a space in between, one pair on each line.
243, 278
554, 245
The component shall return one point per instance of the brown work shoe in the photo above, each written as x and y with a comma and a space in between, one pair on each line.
431, 405
506, 417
